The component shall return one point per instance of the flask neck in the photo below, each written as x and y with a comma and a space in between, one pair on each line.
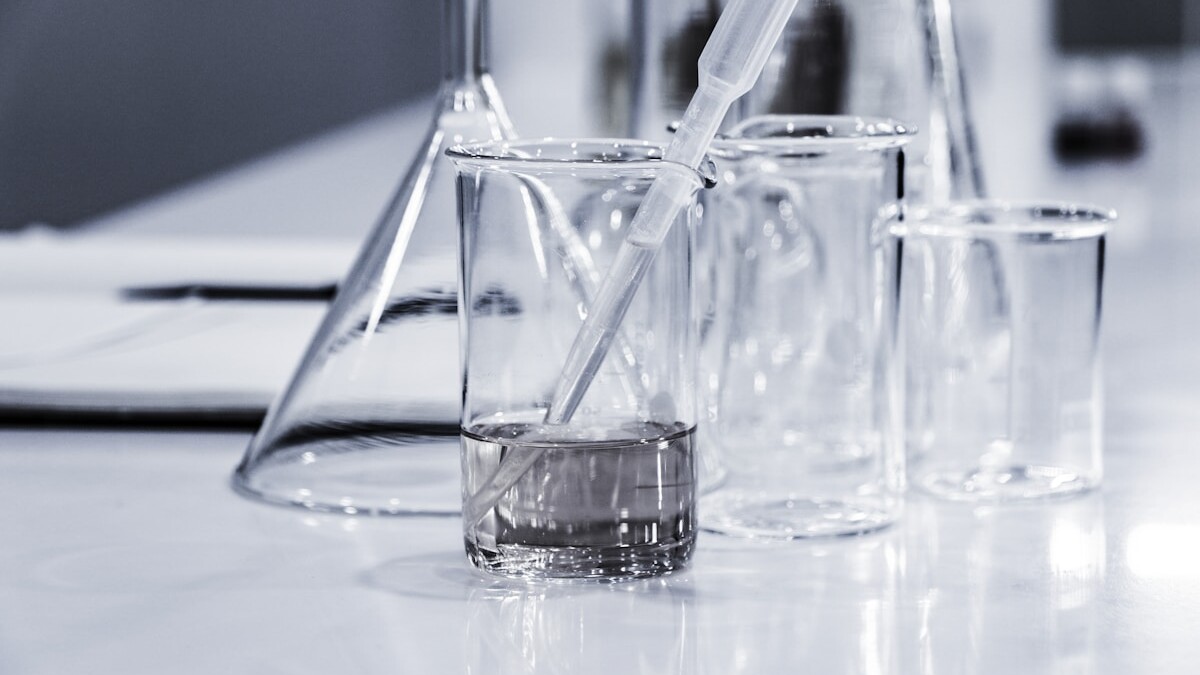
463, 48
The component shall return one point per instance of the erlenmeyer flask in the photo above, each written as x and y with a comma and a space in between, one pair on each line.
369, 422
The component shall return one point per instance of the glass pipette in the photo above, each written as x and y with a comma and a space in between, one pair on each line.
731, 62
729, 65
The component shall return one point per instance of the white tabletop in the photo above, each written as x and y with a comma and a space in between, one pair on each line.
125, 551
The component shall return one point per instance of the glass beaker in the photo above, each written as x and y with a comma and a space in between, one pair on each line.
368, 423
612, 492
1000, 321
881, 58
801, 399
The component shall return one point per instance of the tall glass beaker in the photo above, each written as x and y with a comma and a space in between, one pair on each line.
369, 422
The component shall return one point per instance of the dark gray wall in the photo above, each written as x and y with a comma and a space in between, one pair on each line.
107, 101
1097, 25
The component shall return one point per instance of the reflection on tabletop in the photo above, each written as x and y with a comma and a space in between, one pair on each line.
955, 591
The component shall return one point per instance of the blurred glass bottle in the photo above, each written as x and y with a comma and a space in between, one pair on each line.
563, 65
369, 422
883, 58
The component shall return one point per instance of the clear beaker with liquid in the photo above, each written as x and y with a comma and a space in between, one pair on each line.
611, 493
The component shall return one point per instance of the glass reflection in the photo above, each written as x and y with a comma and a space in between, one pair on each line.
1005, 590
541, 628
813, 607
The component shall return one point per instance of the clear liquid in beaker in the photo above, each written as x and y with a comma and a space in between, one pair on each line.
585, 508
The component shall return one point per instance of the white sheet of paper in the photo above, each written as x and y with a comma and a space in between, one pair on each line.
69, 340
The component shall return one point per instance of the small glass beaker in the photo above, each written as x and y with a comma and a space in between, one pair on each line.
1000, 326
802, 405
612, 492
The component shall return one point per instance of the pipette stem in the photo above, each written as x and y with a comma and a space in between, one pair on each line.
594, 337
700, 122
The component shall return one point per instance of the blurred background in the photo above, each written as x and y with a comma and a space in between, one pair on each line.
106, 104
165, 145
102, 104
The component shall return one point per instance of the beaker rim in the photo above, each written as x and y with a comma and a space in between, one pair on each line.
771, 134
579, 154
987, 217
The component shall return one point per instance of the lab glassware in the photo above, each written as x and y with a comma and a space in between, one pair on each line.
368, 423
889, 58
1000, 326
801, 397
727, 68
611, 491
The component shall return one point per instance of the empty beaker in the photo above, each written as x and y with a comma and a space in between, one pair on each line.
368, 423
1000, 325
801, 399
611, 492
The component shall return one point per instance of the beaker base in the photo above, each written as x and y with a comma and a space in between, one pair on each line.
763, 517
583, 562
1015, 483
